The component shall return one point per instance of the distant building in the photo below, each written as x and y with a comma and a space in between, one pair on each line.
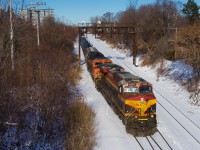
33, 14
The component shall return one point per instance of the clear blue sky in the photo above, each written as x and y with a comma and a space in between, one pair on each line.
75, 11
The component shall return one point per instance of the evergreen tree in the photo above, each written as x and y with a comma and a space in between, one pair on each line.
191, 10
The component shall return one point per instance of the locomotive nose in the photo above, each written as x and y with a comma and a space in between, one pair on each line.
143, 105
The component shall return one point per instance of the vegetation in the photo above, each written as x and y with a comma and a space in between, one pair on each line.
191, 10
80, 132
38, 100
163, 32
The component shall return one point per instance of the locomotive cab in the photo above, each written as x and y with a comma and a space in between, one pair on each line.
140, 104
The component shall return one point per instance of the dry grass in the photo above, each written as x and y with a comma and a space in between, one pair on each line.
75, 74
42, 81
80, 135
148, 60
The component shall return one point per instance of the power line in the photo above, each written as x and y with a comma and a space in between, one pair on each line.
36, 15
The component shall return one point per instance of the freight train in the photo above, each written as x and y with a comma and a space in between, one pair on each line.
130, 96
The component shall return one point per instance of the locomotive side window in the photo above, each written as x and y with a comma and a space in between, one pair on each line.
144, 89
130, 90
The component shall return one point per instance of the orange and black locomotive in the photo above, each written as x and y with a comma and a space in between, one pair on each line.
130, 96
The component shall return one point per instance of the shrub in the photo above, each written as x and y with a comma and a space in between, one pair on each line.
80, 135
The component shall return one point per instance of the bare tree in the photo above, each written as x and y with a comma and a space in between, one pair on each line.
95, 19
107, 17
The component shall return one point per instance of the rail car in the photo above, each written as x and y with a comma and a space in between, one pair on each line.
130, 96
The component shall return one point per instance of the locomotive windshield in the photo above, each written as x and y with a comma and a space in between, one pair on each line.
144, 89
130, 90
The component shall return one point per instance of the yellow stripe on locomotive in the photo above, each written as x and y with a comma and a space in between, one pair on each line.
130, 96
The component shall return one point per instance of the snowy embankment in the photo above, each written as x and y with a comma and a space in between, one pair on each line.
179, 122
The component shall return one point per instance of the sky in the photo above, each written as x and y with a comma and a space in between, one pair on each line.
76, 11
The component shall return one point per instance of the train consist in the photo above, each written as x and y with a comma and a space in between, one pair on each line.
130, 96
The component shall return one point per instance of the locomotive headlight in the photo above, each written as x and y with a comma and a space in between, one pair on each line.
142, 100
152, 116
136, 116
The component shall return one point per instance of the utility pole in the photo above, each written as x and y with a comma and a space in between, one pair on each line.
38, 29
33, 7
11, 37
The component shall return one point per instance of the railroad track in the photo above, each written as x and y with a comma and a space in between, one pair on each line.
182, 125
151, 137
164, 140
153, 144
168, 101
192, 122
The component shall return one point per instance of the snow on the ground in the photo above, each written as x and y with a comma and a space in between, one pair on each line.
111, 133
179, 70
